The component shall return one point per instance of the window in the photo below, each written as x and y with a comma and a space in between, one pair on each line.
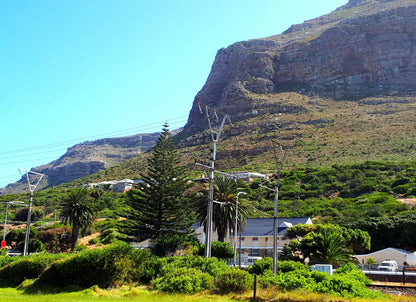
255, 238
242, 238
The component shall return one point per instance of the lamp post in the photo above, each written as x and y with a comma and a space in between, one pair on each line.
235, 231
3, 243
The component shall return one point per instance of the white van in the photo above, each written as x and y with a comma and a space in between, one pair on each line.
388, 265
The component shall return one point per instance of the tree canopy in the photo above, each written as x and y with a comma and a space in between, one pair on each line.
160, 205
77, 210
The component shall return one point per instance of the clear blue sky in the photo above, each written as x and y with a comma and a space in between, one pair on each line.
80, 70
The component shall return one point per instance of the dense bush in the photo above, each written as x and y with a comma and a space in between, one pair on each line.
17, 236
5, 259
168, 244
348, 281
221, 250
34, 246
345, 286
108, 266
21, 214
112, 235
212, 266
183, 280
29, 267
56, 240
289, 266
234, 280
260, 266
295, 280
353, 272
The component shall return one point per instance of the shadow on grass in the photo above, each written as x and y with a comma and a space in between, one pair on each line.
32, 287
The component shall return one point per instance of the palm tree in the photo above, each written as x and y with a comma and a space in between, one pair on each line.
331, 248
77, 210
223, 218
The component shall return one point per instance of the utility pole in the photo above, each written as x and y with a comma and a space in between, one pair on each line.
275, 222
32, 188
236, 228
215, 136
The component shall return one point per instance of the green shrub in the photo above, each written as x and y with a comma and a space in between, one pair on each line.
29, 267
288, 266
94, 241
295, 280
352, 272
34, 246
5, 259
169, 243
212, 266
401, 189
268, 280
221, 250
319, 276
111, 265
56, 240
79, 248
345, 286
112, 235
260, 266
183, 280
234, 280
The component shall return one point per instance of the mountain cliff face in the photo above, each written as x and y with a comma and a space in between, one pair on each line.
340, 86
365, 48
87, 158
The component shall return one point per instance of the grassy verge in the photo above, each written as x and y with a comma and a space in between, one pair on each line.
136, 294
96, 294
142, 295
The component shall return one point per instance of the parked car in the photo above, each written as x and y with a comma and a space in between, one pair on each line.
388, 265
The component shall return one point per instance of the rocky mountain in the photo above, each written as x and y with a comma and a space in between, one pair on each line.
338, 88
87, 158
366, 48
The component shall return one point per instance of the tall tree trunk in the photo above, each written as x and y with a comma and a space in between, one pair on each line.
74, 236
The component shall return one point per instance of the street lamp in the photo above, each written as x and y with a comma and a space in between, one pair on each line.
235, 231
3, 243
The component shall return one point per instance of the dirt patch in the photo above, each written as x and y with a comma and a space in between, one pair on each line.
408, 201
86, 239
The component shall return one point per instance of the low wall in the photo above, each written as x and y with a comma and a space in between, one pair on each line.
402, 277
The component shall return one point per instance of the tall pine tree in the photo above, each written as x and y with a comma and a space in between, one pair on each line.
160, 205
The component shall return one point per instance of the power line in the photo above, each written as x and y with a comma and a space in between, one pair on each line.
58, 146
118, 132
52, 149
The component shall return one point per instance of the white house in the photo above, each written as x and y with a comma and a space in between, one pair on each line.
385, 254
114, 185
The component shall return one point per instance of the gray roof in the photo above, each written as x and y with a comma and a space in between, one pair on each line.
387, 248
258, 227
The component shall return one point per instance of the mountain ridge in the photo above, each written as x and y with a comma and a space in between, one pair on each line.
87, 158
339, 87
347, 54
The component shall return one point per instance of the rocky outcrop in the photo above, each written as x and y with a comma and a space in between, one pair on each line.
87, 158
365, 48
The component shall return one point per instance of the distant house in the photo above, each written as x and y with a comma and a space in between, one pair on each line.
114, 185
247, 176
385, 254
257, 236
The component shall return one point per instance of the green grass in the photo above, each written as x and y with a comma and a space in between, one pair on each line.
142, 295
96, 294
